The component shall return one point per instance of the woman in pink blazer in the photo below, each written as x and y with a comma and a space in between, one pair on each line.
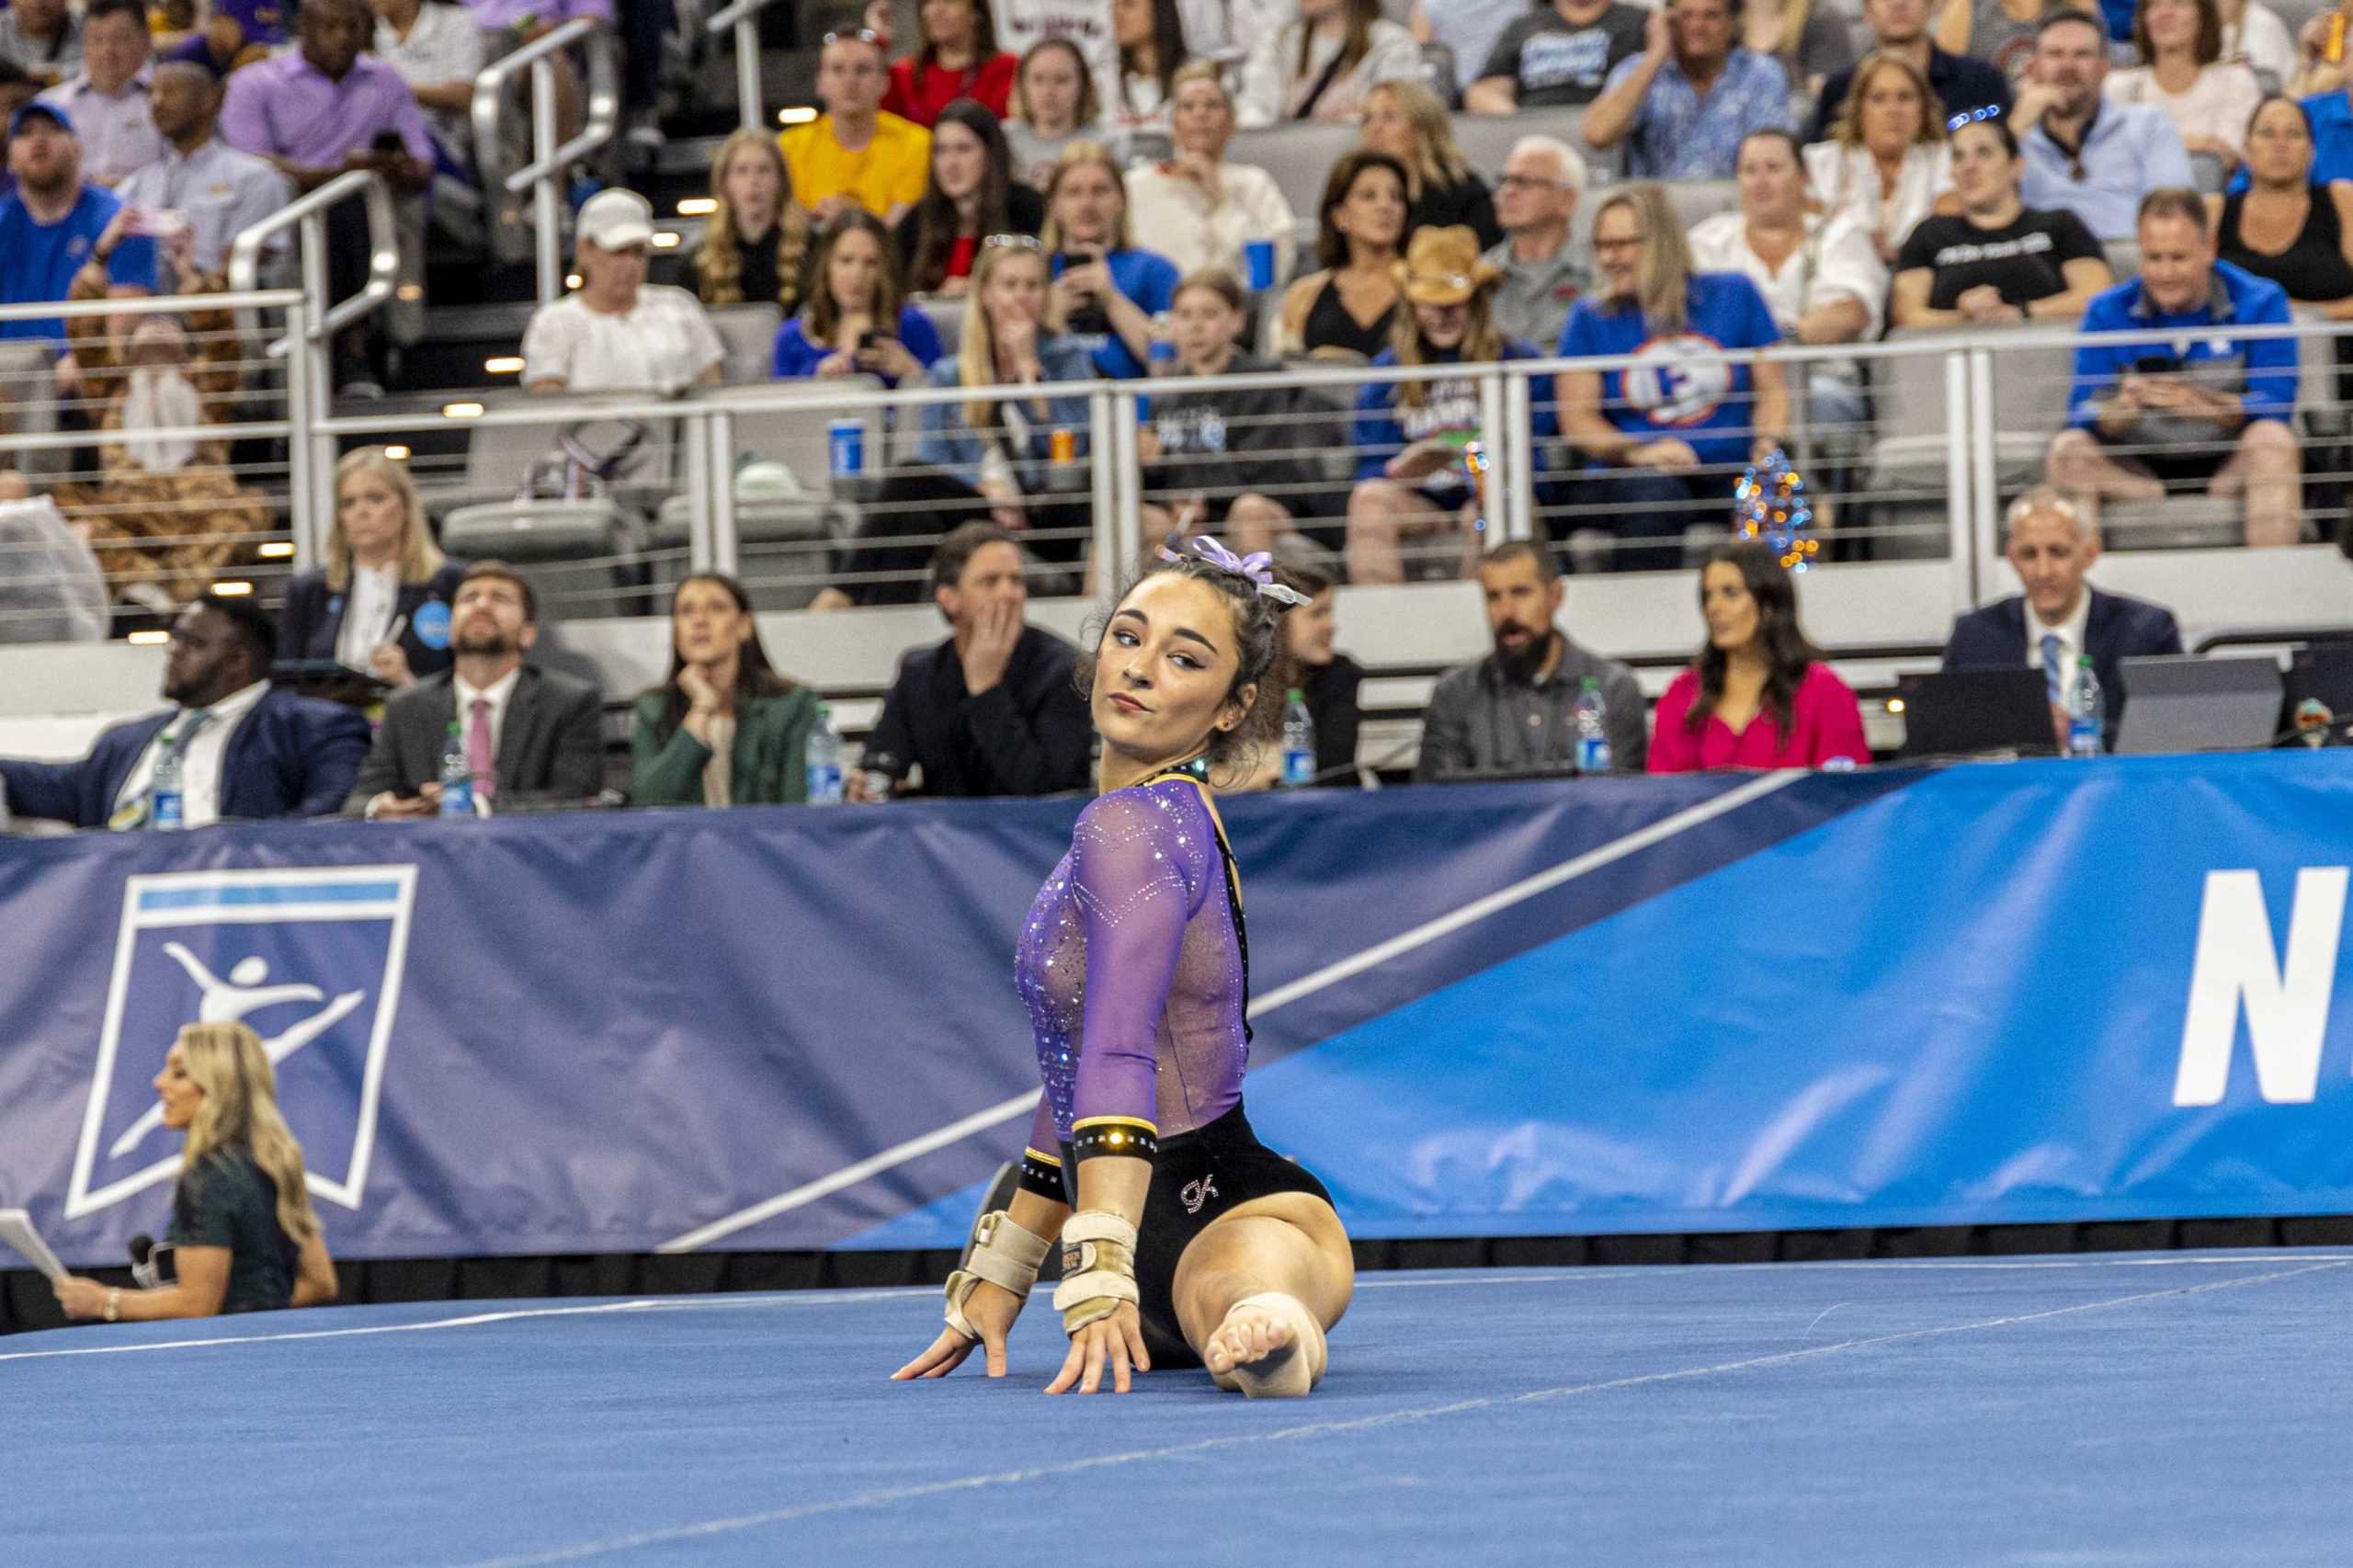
1759, 695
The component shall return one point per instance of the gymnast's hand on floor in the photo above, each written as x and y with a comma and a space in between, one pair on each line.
991, 1309
1118, 1338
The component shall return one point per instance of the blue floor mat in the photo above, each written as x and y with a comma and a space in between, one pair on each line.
2128, 1412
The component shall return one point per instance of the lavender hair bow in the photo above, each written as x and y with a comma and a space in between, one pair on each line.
1259, 567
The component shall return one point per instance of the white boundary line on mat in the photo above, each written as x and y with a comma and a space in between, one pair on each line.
892, 1495
1280, 997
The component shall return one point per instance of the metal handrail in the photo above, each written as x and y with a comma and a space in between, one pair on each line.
549, 160
742, 19
309, 212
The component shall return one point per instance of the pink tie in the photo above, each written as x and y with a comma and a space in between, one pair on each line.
478, 757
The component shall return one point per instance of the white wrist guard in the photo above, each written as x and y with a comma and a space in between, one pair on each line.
1098, 1268
1004, 1254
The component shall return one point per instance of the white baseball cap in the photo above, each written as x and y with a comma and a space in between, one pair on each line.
615, 220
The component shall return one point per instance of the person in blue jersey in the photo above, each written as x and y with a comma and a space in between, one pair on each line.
2189, 404
1414, 482
1107, 290
54, 225
857, 321
1665, 438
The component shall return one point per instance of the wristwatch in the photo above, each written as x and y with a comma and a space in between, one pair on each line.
114, 1303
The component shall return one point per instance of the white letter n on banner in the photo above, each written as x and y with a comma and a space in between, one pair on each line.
2287, 1006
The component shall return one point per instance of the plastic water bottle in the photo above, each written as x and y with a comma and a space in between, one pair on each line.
165, 803
1299, 742
1593, 739
2087, 715
457, 776
824, 760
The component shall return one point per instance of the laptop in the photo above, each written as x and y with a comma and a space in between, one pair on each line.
1967, 712
2182, 702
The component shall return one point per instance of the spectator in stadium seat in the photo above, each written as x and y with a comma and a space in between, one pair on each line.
1514, 710
1211, 458
1813, 42
247, 750
1347, 306
2253, 31
108, 99
756, 241
54, 225
993, 456
725, 728
992, 709
617, 332
1222, 31
2189, 403
1821, 277
164, 507
532, 737
2096, 159
1139, 86
44, 37
233, 34
1197, 210
1759, 695
438, 48
381, 602
1468, 29
971, 194
2061, 616
2308, 227
1995, 260
1959, 82
1556, 55
219, 191
2184, 71
1106, 289
1887, 165
956, 57
1543, 275
1665, 440
1328, 679
1999, 33
1413, 480
1405, 120
319, 111
1053, 106
17, 90
859, 321
855, 154
1682, 105
1086, 25
1321, 66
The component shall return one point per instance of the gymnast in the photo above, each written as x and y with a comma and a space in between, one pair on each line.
1185, 1241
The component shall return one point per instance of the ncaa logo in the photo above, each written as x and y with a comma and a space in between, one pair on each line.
309, 959
1678, 380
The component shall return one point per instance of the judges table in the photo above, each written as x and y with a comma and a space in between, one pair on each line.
1894, 996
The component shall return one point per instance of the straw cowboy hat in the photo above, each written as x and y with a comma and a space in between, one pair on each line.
1443, 266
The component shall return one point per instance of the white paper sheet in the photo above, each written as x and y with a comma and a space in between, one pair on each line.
17, 1231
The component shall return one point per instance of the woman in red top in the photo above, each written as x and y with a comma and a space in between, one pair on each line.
1760, 695
959, 58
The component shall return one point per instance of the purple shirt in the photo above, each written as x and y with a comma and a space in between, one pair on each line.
492, 14
287, 107
1131, 969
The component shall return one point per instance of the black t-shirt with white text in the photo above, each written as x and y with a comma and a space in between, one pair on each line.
2026, 260
1559, 64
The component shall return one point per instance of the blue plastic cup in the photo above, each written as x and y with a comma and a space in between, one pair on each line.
845, 445
1258, 259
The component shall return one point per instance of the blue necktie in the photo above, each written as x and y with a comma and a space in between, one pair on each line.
2052, 675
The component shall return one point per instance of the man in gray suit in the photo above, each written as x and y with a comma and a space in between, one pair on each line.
529, 733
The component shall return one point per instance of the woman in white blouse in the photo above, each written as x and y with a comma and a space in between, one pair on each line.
2182, 71
1820, 275
1321, 66
1887, 163
1197, 210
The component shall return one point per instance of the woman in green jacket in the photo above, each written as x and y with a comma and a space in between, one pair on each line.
725, 729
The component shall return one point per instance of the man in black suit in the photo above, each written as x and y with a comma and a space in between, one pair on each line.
528, 732
246, 751
991, 710
2061, 616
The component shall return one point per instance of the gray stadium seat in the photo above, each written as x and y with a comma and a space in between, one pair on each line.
596, 536
2206, 171
946, 313
750, 333
28, 397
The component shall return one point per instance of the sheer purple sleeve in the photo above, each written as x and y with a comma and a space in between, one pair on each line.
1139, 867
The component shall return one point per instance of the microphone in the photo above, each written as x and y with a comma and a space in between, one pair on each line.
142, 1266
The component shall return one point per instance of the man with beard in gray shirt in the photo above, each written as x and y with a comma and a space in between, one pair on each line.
1514, 710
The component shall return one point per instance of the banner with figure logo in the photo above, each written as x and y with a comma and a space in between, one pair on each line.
1984, 994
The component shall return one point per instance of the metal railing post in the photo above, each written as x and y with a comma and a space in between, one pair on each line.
1986, 491
747, 72
547, 216
1127, 489
1518, 519
714, 536
1102, 452
1960, 542
302, 455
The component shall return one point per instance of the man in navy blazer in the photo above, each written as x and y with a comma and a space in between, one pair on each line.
246, 750
2060, 614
